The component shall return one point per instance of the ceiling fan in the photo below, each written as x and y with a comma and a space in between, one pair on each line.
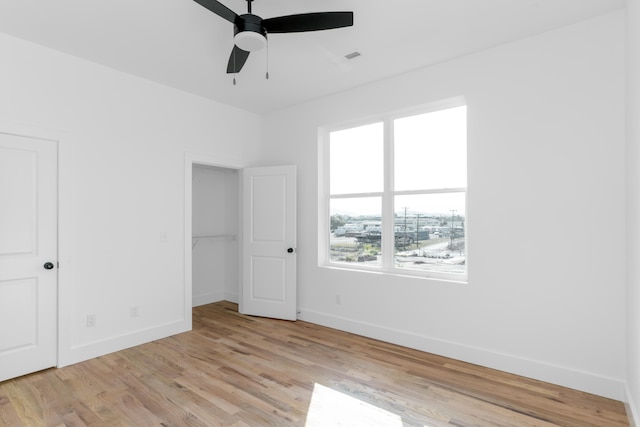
250, 31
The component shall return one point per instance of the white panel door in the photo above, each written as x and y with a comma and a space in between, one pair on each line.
28, 255
269, 242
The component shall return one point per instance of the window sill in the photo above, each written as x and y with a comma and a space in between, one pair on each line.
458, 279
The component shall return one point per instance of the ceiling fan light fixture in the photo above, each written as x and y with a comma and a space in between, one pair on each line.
250, 41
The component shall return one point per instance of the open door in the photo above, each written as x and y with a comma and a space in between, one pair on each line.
28, 255
269, 242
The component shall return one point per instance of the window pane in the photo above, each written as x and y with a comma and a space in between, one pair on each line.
355, 231
430, 150
429, 232
356, 160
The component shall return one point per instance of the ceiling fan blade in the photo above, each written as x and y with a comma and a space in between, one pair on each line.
236, 60
219, 9
308, 22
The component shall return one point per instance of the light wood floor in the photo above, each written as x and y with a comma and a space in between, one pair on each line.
234, 370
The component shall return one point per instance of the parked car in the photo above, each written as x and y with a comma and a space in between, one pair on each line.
411, 236
374, 236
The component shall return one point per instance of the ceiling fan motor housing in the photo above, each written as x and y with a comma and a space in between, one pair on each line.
249, 33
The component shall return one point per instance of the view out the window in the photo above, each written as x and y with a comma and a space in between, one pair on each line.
397, 194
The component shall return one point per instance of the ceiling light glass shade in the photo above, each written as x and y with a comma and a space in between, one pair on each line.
250, 41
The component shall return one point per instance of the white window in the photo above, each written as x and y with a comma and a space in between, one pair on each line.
393, 194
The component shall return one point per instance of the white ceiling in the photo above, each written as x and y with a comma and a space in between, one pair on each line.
181, 44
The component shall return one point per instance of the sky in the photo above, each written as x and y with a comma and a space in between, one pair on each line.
429, 154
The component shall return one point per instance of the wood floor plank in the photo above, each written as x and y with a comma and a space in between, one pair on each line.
59, 406
25, 403
242, 371
8, 414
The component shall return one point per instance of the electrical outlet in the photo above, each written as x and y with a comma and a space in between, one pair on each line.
338, 299
91, 320
163, 236
134, 311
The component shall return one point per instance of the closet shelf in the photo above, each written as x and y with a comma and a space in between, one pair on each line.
197, 238
215, 236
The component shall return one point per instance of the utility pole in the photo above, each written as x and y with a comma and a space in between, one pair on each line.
405, 219
453, 211
417, 231
404, 232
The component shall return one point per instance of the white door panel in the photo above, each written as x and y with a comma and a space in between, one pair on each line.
28, 240
18, 213
269, 241
269, 278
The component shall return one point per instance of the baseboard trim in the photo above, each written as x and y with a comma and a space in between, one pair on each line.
231, 297
198, 300
633, 412
94, 349
563, 376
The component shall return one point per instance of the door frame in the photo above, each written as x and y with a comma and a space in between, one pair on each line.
191, 159
64, 227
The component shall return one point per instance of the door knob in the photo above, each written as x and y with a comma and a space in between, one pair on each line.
48, 265
290, 250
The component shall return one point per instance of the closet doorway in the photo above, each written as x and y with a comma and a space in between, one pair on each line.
240, 237
215, 225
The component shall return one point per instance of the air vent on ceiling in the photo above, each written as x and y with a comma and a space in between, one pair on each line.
341, 59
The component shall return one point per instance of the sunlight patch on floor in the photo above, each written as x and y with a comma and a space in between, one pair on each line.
329, 407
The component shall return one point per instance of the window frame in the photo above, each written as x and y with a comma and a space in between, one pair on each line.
387, 195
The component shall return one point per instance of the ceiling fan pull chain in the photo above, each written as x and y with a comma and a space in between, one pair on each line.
267, 75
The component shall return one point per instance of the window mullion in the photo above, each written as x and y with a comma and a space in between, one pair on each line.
431, 191
387, 197
355, 195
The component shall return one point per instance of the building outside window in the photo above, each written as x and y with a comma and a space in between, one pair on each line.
394, 194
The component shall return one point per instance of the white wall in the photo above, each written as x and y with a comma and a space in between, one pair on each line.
546, 157
122, 175
546, 204
215, 212
633, 208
